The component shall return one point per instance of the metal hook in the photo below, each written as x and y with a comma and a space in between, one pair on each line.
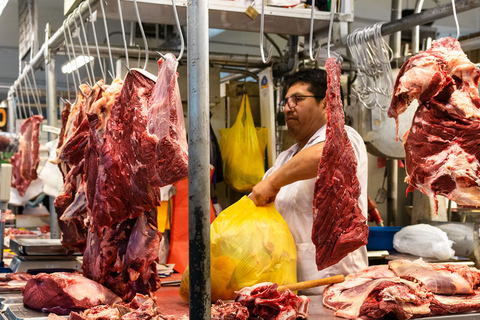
80, 42
36, 89
145, 43
161, 55
86, 40
96, 41
123, 34
111, 75
73, 49
108, 39
182, 48
81, 91
311, 35
333, 6
456, 19
129, 71
37, 103
262, 23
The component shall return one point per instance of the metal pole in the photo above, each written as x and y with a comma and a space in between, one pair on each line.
11, 113
396, 38
198, 159
52, 118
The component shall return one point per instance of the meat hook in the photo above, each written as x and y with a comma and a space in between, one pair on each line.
86, 42
123, 34
311, 35
145, 43
161, 55
129, 71
96, 41
182, 47
262, 24
108, 39
333, 6
80, 42
456, 19
36, 90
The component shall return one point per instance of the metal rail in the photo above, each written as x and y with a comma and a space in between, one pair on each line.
54, 42
428, 16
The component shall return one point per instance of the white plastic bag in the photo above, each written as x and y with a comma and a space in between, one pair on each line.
423, 240
50, 174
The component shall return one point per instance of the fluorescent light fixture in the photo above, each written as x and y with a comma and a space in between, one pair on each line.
3, 4
73, 65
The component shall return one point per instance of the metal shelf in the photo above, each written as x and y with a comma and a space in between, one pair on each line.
230, 15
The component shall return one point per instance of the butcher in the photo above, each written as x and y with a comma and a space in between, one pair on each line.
290, 182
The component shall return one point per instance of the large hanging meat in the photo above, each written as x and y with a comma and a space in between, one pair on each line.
442, 152
25, 161
339, 227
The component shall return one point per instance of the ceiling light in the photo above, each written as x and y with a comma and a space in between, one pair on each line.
80, 61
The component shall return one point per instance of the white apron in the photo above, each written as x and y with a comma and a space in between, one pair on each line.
295, 203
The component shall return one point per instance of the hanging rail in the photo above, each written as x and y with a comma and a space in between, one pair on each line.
430, 15
218, 58
54, 42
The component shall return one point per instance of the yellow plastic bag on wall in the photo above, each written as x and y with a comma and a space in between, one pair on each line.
243, 151
248, 245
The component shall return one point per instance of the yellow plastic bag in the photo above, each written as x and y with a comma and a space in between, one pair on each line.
249, 245
243, 151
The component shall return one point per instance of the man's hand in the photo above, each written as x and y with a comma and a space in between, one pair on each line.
264, 192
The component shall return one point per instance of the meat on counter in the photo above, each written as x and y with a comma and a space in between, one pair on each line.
405, 289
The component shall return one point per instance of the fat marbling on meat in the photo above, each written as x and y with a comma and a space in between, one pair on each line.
442, 152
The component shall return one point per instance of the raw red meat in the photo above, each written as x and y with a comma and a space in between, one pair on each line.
25, 162
14, 281
165, 142
404, 289
442, 152
265, 302
124, 258
339, 226
64, 292
141, 307
230, 310
123, 188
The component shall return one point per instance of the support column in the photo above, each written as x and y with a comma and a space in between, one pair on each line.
198, 159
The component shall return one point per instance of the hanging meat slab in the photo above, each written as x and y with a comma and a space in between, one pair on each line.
339, 227
165, 142
122, 189
442, 152
405, 290
25, 162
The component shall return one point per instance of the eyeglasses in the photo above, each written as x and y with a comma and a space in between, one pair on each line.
292, 101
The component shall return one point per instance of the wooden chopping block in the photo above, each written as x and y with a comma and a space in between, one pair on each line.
311, 283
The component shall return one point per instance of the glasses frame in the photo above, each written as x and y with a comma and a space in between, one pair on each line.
284, 103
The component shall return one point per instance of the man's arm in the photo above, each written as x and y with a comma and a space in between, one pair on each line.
304, 165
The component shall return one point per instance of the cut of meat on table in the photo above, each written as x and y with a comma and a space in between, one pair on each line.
265, 302
339, 226
14, 281
441, 279
442, 152
405, 289
25, 162
64, 292
230, 310
165, 141
141, 307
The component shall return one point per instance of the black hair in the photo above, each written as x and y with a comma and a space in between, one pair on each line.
315, 78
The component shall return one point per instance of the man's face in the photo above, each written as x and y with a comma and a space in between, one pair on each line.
307, 116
